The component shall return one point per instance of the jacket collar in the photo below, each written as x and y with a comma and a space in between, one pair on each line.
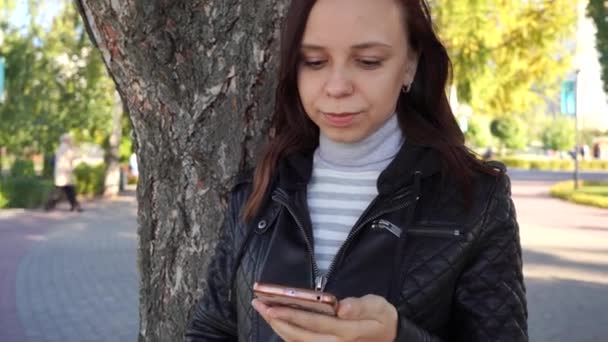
295, 170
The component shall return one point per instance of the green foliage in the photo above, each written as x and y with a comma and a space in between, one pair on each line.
125, 149
90, 180
598, 11
507, 55
559, 134
3, 199
478, 132
22, 168
589, 193
24, 192
55, 82
509, 131
48, 169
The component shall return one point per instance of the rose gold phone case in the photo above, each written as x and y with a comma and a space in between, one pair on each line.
302, 299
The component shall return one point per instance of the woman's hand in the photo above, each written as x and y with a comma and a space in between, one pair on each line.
369, 318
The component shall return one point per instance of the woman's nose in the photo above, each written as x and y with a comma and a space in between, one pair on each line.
339, 84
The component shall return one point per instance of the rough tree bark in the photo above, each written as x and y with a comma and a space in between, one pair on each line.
197, 78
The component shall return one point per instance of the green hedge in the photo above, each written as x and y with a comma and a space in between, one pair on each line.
23, 168
29, 191
90, 180
3, 199
554, 164
24, 192
565, 190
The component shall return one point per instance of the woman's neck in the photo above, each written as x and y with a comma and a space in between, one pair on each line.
372, 153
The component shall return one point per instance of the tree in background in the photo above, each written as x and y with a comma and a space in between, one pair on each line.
56, 82
509, 131
559, 134
598, 11
478, 132
508, 55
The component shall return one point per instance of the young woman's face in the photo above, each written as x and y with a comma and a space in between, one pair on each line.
355, 59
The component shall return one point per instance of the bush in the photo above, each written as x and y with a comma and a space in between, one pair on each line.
478, 133
48, 168
3, 200
565, 190
554, 164
559, 134
24, 192
517, 163
510, 131
90, 180
22, 168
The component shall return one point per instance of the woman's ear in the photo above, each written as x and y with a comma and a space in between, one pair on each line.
410, 68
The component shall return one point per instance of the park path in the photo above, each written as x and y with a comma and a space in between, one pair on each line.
70, 277
565, 261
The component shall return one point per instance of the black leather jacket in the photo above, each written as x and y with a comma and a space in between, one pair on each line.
453, 274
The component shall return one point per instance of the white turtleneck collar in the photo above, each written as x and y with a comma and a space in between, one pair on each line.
373, 153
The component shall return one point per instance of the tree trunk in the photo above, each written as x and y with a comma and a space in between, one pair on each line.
197, 78
112, 181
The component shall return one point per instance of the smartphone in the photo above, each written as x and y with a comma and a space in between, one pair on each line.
298, 298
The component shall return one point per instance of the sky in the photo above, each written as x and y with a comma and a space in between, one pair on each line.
21, 16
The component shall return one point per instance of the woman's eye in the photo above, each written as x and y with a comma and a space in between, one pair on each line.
369, 63
314, 64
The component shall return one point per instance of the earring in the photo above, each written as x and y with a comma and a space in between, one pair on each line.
406, 88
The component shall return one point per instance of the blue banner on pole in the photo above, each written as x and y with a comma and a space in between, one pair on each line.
568, 98
2, 63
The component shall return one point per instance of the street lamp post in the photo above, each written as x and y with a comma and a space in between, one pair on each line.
576, 144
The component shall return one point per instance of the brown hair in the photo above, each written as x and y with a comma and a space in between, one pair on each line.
424, 112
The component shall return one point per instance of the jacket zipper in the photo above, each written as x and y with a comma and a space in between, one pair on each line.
396, 230
318, 282
436, 232
354, 232
321, 280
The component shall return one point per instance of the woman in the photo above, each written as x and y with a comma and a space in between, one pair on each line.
65, 163
367, 192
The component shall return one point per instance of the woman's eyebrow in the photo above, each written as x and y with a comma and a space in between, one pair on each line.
312, 47
360, 46
371, 44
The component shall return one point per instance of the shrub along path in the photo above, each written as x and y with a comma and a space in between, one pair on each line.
588, 193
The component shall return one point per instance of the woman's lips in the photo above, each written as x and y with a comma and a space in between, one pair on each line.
339, 119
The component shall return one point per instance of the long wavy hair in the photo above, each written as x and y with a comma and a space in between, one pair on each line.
424, 112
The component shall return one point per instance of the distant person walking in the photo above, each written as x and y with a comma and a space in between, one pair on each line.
133, 165
65, 158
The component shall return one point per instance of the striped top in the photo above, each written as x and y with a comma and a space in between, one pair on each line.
336, 199
343, 184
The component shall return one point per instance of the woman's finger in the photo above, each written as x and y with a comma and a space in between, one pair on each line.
292, 333
370, 307
310, 321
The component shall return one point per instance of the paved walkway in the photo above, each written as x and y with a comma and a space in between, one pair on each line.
69, 277
565, 262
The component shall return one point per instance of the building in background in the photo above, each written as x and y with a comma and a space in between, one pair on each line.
592, 104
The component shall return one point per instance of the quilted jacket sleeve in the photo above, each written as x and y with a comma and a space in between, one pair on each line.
214, 318
490, 300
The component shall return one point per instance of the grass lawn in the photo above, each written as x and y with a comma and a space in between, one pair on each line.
588, 193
